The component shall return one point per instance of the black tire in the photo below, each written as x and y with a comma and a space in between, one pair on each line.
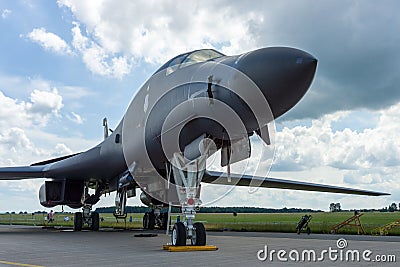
298, 231
152, 221
78, 222
178, 236
200, 233
308, 230
95, 221
146, 220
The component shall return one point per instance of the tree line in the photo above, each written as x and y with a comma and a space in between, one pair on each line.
335, 207
142, 209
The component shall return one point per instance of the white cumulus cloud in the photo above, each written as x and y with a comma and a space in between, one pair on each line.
76, 118
45, 102
41, 107
12, 108
12, 142
368, 156
49, 41
6, 12
157, 32
96, 57
62, 150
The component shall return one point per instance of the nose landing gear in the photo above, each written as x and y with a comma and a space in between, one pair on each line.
187, 177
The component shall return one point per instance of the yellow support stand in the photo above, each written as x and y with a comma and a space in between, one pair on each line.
384, 230
352, 221
171, 248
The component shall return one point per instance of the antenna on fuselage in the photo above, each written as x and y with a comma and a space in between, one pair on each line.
105, 125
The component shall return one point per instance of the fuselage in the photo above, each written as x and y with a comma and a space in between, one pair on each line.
257, 86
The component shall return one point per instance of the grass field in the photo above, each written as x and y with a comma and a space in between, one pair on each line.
266, 222
286, 222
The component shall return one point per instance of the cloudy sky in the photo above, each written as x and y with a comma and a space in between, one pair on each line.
64, 65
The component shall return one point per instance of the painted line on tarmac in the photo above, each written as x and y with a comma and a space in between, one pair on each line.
18, 264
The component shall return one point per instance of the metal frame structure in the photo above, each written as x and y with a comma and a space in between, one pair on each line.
353, 221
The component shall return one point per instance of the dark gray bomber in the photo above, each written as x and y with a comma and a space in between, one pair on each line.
196, 104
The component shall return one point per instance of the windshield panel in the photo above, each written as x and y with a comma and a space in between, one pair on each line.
200, 56
174, 64
188, 59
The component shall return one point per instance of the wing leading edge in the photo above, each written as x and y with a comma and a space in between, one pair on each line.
24, 172
248, 180
30, 172
35, 170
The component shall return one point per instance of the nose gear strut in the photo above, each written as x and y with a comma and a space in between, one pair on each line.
188, 176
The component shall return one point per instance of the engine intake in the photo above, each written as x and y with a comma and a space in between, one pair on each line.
61, 192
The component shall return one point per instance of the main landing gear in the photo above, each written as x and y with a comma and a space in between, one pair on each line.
92, 219
126, 189
155, 218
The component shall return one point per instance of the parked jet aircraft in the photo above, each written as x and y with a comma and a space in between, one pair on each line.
196, 104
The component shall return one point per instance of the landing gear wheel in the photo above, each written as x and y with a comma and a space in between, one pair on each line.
199, 235
178, 236
164, 221
95, 221
308, 230
78, 222
152, 221
146, 220
298, 231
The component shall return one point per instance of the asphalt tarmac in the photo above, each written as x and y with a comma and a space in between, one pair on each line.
34, 246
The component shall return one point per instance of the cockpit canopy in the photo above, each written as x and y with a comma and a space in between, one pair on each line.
188, 59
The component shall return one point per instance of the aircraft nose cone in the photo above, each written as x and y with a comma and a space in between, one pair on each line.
282, 74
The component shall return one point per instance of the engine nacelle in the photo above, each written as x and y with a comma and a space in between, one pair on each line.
148, 201
61, 192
